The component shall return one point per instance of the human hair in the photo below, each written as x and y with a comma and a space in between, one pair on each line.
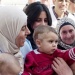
42, 29
9, 64
33, 11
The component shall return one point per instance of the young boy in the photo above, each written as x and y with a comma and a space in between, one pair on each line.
9, 65
39, 61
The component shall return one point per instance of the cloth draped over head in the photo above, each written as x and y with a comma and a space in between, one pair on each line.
11, 21
65, 21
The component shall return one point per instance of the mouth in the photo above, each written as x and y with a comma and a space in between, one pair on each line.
53, 50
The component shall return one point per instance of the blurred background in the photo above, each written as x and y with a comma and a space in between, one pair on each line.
19, 3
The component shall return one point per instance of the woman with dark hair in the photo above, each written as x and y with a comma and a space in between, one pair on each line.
38, 14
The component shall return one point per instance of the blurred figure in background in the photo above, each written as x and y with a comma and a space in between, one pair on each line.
58, 11
72, 6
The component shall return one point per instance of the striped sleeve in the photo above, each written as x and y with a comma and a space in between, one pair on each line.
72, 53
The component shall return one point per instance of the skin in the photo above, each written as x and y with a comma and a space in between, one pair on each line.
31, 1
67, 34
48, 44
5, 65
71, 7
42, 20
20, 39
61, 67
60, 7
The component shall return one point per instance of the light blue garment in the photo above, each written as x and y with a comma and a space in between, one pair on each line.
26, 48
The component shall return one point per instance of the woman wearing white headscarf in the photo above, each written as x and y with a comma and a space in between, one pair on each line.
13, 23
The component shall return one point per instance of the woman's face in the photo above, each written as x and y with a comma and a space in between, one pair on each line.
41, 20
67, 34
20, 39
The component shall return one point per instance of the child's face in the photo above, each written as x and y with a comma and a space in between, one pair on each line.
48, 44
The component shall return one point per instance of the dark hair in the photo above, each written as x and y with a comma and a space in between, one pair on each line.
33, 10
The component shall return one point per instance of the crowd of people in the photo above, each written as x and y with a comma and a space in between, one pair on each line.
38, 40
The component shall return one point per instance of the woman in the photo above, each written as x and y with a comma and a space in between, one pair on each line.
13, 31
66, 32
38, 14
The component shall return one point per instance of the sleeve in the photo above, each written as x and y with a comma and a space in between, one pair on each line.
69, 56
29, 64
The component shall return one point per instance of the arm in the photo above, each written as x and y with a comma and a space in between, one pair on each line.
60, 67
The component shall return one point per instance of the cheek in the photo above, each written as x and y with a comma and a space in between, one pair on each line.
62, 36
36, 24
20, 39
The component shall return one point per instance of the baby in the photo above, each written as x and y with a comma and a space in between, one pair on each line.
39, 61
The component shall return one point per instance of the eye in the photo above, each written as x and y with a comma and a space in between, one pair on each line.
50, 41
46, 20
24, 28
56, 41
38, 20
70, 31
64, 32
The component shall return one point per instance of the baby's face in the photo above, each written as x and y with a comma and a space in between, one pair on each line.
49, 43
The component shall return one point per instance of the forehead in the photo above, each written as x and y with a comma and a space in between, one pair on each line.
42, 14
49, 35
67, 27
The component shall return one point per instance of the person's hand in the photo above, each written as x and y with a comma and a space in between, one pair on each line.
61, 67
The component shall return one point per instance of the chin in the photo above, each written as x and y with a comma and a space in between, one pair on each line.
21, 45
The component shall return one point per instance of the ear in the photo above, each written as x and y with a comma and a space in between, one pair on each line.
38, 42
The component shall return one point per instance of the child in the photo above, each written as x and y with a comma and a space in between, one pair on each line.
9, 64
39, 61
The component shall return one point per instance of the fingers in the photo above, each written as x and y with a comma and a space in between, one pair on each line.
61, 67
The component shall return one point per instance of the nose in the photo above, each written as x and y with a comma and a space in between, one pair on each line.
27, 31
64, 2
54, 44
43, 22
68, 35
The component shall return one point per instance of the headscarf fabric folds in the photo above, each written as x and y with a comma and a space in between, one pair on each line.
12, 19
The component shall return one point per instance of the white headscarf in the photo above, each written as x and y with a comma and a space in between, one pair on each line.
11, 21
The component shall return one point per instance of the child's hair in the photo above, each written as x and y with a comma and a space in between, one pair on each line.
9, 64
42, 29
